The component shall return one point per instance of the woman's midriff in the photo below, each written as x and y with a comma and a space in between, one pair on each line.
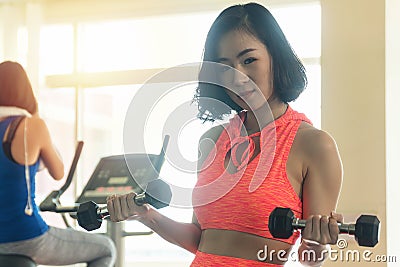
242, 245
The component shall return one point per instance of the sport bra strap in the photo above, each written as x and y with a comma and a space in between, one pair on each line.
13, 127
10, 136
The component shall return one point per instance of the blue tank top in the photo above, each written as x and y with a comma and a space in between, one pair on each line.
15, 225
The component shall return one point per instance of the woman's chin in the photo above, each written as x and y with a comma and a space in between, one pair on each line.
256, 106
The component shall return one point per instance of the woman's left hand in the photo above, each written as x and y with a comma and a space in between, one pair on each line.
322, 230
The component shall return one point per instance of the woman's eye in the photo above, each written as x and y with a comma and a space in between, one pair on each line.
249, 60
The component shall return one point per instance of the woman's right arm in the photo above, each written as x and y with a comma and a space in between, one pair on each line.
47, 152
185, 235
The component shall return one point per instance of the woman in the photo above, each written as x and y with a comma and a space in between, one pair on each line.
258, 74
26, 142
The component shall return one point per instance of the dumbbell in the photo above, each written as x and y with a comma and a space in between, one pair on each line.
282, 223
90, 215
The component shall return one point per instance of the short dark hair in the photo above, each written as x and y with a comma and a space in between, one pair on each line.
289, 75
15, 87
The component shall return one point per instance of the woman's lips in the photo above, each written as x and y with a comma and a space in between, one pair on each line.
246, 93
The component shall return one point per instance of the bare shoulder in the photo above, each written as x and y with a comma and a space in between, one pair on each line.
323, 170
213, 133
315, 142
207, 142
37, 123
209, 138
38, 127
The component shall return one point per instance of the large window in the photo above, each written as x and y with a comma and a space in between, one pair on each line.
302, 27
79, 103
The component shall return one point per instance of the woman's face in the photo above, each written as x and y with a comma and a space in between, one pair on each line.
249, 80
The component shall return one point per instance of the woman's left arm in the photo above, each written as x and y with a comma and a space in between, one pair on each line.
321, 188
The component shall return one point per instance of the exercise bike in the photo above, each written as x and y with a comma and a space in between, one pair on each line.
127, 169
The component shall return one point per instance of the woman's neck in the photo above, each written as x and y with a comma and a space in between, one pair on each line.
258, 119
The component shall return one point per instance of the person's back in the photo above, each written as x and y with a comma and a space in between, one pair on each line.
17, 225
24, 145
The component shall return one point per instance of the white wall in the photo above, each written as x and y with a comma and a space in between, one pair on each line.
393, 127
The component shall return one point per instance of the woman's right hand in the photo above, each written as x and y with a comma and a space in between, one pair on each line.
123, 207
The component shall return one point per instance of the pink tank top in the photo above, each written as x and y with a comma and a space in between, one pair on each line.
242, 201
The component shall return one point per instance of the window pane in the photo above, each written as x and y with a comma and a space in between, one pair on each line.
22, 46
57, 109
154, 42
309, 102
102, 118
302, 27
56, 49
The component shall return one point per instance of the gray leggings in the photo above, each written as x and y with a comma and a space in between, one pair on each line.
64, 247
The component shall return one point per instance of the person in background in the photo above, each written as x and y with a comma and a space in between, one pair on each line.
259, 75
26, 141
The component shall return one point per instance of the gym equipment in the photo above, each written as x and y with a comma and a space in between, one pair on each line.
118, 174
122, 174
90, 215
52, 201
282, 223
16, 260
